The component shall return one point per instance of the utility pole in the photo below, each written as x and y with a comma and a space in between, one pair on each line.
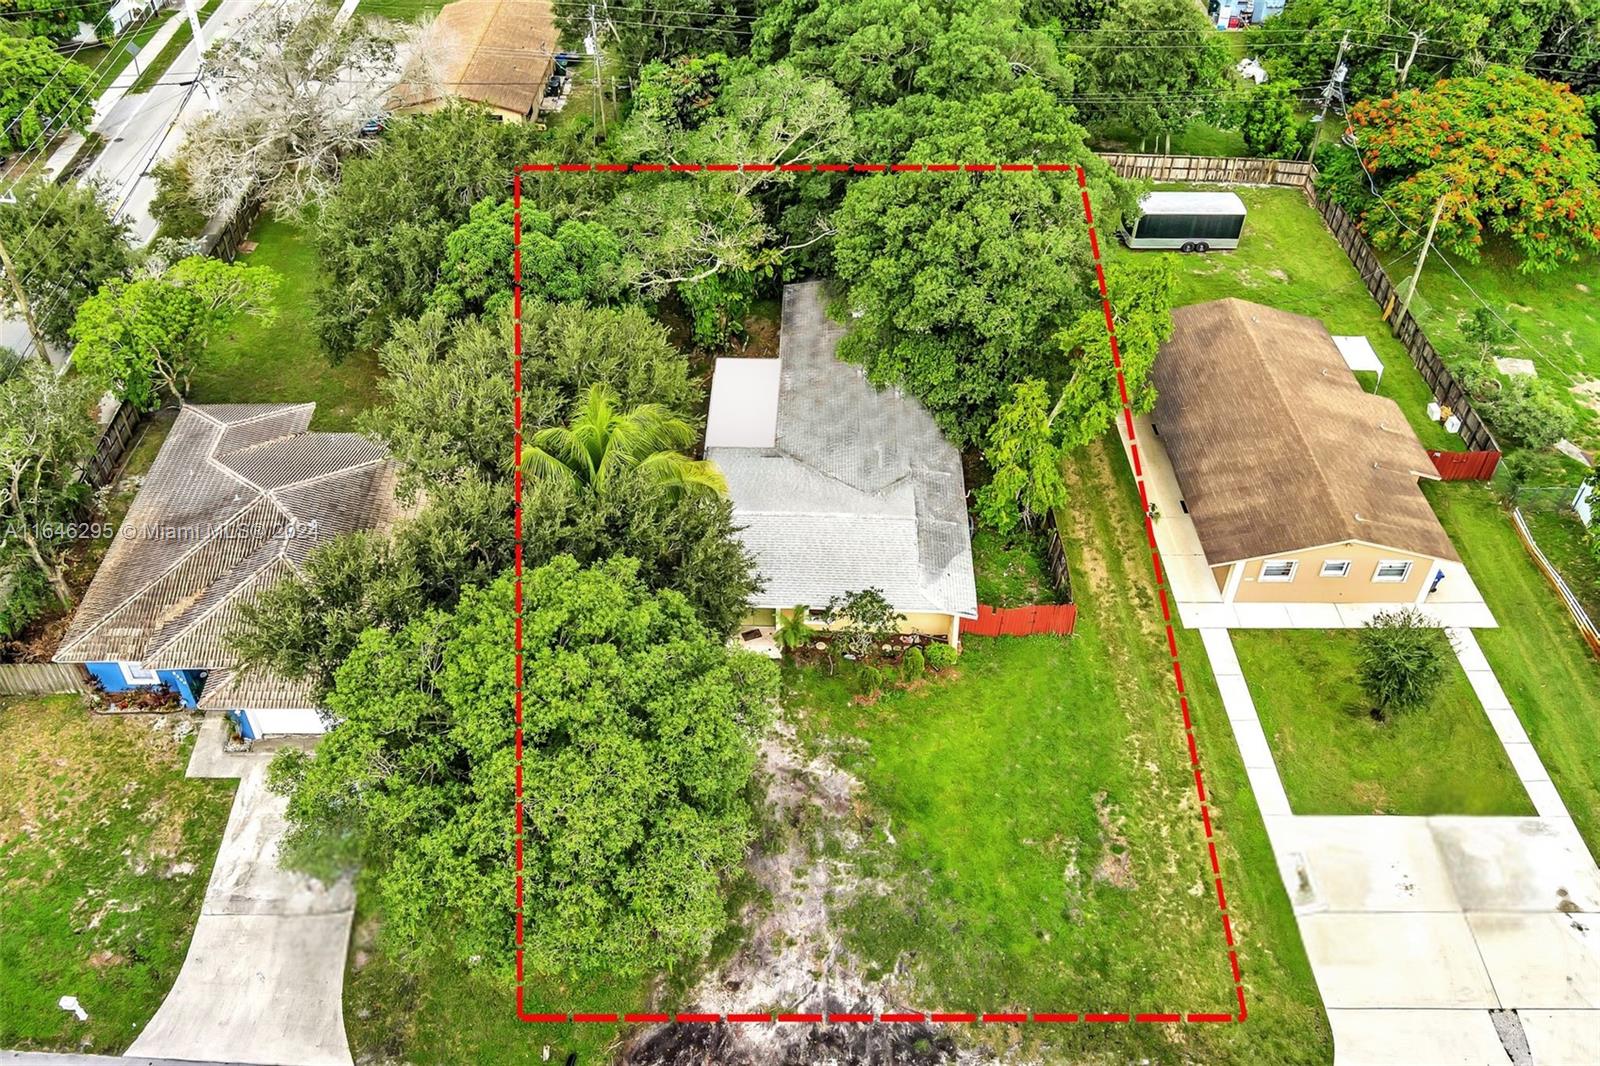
599, 103
1427, 243
194, 25
1335, 83
22, 301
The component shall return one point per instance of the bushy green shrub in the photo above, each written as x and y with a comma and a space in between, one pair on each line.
1527, 412
24, 595
913, 664
940, 656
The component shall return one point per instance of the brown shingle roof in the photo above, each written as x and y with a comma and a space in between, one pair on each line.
495, 52
1277, 447
239, 494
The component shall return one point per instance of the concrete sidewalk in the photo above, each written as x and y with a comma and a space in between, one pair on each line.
264, 978
1443, 941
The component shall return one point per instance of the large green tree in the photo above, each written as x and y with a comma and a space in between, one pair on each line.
65, 246
447, 385
147, 337
1503, 156
1153, 66
47, 433
639, 735
381, 235
41, 92
957, 284
56, 20
1024, 453
879, 51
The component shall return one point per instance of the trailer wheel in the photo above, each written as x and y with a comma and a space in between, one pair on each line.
1202, 247
1188, 246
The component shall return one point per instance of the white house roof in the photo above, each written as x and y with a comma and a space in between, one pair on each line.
239, 495
859, 487
744, 404
1185, 203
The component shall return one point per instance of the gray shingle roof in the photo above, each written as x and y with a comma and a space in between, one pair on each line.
861, 489
238, 496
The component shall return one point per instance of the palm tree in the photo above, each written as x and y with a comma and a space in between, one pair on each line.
793, 630
602, 444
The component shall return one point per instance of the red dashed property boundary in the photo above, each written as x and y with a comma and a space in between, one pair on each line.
960, 1017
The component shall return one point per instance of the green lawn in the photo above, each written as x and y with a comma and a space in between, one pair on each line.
1547, 671
1287, 259
1010, 570
1198, 138
152, 68
1440, 759
105, 850
1048, 852
1557, 316
114, 55
399, 10
281, 361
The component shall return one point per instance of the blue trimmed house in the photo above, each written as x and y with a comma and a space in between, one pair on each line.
237, 498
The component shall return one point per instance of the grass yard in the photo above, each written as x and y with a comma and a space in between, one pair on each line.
1010, 570
1556, 315
1288, 260
282, 361
1547, 671
109, 58
1440, 759
105, 850
1198, 138
152, 68
1047, 851
399, 10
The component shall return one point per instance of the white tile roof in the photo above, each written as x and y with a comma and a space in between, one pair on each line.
860, 489
239, 495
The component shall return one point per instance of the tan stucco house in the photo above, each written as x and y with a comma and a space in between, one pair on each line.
1302, 487
836, 485
495, 53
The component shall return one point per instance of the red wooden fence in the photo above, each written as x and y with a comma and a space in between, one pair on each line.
1022, 621
1465, 466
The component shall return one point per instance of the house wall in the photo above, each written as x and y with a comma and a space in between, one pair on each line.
1309, 586
503, 114
186, 683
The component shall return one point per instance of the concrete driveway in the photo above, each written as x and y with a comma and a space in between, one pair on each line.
263, 981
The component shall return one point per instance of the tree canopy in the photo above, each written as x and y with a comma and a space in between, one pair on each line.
1511, 157
942, 271
146, 337
41, 92
639, 737
65, 246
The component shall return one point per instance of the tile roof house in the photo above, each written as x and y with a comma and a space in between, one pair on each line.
237, 498
838, 485
498, 53
1302, 486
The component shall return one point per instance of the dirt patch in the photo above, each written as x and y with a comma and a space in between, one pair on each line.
1588, 394
1115, 866
103, 960
793, 959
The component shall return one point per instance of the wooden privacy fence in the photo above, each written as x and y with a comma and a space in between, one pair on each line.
113, 444
1057, 618
42, 679
1465, 466
1297, 175
1586, 626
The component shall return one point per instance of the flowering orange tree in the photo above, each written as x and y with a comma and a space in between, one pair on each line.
1511, 155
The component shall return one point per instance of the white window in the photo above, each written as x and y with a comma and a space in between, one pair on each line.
1335, 567
1279, 569
134, 674
1392, 570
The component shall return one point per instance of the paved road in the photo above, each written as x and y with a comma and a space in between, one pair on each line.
264, 977
139, 130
